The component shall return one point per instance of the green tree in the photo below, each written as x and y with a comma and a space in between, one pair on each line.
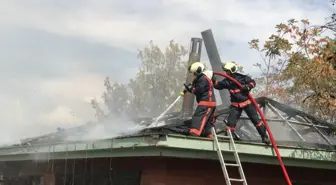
159, 80
155, 86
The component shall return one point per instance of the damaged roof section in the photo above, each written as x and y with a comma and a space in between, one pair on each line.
289, 126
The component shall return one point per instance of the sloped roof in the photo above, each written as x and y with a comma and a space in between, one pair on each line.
290, 127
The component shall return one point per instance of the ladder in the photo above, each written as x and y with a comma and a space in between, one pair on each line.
222, 162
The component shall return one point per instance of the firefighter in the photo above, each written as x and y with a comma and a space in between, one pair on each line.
240, 100
202, 87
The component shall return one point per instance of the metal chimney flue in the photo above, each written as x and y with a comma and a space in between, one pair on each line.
215, 61
194, 56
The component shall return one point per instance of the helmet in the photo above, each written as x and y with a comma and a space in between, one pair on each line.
230, 66
196, 67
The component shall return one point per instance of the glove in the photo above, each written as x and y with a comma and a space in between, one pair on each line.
188, 87
245, 89
213, 79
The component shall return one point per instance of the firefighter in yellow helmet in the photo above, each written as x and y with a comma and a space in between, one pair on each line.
202, 87
240, 100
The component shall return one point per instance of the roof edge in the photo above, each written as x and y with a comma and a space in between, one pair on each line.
172, 146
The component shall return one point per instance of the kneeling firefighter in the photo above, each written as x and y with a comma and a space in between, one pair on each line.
202, 87
240, 100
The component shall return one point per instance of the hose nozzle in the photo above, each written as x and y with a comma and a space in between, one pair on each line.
182, 93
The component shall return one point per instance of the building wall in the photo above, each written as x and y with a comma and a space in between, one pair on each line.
169, 171
154, 171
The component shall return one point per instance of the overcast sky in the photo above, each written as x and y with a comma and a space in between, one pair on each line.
54, 54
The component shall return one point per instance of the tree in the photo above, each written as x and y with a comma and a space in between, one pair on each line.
155, 87
100, 115
305, 65
274, 55
116, 97
331, 21
159, 80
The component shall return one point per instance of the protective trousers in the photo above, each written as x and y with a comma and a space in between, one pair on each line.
251, 111
202, 121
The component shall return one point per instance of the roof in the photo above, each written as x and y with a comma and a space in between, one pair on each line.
170, 145
289, 126
297, 133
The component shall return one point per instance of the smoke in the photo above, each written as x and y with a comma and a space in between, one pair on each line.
12, 132
109, 128
29, 133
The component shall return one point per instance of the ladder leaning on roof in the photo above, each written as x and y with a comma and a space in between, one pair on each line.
236, 156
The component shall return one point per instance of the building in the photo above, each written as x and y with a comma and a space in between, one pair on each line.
157, 156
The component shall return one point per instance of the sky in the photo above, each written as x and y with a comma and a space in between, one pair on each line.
54, 54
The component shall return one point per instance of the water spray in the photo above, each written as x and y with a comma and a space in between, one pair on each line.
155, 123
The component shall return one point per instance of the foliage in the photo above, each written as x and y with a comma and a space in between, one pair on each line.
301, 64
99, 112
159, 80
156, 85
331, 21
274, 55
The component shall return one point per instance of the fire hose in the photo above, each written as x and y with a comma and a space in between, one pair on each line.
266, 125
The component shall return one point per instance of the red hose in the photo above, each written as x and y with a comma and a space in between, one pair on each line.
266, 125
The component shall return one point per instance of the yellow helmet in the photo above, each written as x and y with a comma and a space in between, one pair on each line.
230, 66
196, 67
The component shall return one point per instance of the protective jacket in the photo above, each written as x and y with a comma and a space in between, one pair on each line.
203, 89
240, 102
237, 97
203, 117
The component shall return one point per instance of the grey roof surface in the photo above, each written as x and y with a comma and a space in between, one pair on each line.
289, 127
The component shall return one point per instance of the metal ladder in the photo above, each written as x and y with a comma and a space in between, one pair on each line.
222, 162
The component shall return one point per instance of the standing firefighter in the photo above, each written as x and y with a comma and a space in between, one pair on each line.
240, 100
202, 87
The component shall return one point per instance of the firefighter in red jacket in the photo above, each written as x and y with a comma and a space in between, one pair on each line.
202, 87
240, 100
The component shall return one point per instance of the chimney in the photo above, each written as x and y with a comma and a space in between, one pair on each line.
215, 61
194, 56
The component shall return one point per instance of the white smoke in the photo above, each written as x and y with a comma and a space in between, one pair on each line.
109, 128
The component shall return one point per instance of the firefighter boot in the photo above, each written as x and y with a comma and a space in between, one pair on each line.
263, 134
266, 140
207, 132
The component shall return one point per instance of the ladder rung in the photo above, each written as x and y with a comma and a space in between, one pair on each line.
227, 151
224, 137
231, 164
237, 180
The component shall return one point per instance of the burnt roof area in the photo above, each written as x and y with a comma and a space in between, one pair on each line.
289, 126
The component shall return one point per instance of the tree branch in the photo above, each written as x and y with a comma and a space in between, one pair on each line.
306, 98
